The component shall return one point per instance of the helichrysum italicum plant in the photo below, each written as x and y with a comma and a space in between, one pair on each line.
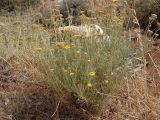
85, 66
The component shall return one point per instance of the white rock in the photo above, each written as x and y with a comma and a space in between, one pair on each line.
88, 30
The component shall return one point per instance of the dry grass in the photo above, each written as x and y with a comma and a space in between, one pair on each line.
137, 99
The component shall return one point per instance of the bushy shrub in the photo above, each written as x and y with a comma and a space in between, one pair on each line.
87, 66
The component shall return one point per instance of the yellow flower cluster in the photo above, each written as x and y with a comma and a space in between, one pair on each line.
39, 49
63, 45
37, 27
70, 29
156, 35
71, 74
37, 15
76, 37
89, 85
114, 1
89, 61
150, 32
92, 74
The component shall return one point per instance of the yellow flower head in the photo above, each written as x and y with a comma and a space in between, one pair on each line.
68, 29
71, 74
37, 27
70, 17
135, 21
89, 61
150, 31
66, 46
156, 35
60, 44
120, 23
37, 15
114, 1
39, 49
71, 29
75, 37
63, 45
57, 6
89, 85
91, 74
78, 52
